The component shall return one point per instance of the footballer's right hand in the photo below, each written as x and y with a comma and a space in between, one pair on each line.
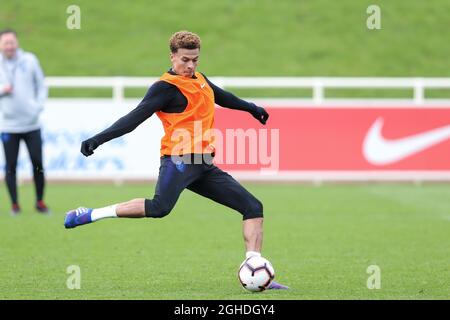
88, 146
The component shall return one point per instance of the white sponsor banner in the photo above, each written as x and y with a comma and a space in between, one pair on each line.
67, 122
413, 147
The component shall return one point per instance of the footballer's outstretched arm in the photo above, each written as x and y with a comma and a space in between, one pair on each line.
153, 101
228, 100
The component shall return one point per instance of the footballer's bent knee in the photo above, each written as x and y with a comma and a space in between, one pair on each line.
154, 209
254, 210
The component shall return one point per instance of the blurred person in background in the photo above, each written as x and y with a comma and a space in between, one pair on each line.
22, 98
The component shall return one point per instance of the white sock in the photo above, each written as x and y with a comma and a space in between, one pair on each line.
249, 254
106, 212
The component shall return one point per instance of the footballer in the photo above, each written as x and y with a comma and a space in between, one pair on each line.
181, 99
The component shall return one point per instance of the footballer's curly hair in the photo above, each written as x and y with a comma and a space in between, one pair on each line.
185, 40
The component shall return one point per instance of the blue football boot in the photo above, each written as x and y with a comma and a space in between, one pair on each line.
78, 217
277, 286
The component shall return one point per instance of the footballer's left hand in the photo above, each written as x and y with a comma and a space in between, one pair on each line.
261, 114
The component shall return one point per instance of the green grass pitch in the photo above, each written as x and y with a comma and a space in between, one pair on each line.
239, 38
321, 240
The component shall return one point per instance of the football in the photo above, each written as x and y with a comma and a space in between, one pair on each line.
256, 274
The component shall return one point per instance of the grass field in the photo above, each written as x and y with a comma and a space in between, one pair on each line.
239, 38
321, 241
